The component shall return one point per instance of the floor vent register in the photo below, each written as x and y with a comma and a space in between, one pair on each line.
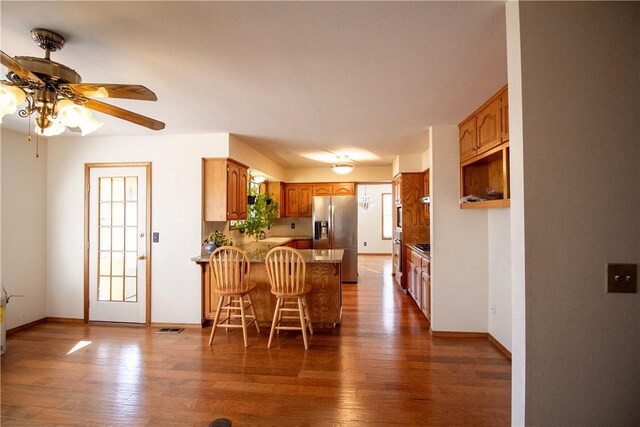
169, 330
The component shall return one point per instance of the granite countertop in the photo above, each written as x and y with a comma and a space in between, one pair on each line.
282, 240
415, 248
258, 250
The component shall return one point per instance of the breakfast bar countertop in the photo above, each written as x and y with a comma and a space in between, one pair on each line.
258, 251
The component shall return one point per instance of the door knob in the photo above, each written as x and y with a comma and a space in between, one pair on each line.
141, 257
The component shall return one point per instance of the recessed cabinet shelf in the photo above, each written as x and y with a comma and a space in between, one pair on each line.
489, 171
484, 155
501, 203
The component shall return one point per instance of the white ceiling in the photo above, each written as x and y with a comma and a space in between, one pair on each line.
294, 79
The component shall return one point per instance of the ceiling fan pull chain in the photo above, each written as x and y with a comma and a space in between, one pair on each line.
28, 128
37, 146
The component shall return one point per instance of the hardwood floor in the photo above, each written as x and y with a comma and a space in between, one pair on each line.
381, 367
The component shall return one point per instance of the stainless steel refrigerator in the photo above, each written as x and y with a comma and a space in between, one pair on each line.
335, 226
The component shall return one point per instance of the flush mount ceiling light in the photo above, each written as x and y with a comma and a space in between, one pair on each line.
55, 94
343, 165
258, 179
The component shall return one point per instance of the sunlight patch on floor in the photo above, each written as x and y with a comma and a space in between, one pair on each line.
78, 346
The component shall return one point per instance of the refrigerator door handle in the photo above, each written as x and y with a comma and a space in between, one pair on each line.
330, 226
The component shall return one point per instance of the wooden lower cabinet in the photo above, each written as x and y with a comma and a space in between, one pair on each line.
325, 299
303, 244
425, 286
419, 280
300, 244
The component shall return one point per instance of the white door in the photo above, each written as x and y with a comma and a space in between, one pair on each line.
117, 244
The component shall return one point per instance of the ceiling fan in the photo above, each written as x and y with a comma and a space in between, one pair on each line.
55, 92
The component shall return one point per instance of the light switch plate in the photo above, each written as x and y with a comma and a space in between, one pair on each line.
622, 278
156, 237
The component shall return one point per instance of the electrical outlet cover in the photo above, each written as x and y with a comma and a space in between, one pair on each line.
622, 278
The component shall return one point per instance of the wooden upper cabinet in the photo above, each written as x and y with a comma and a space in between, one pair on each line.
292, 200
322, 190
504, 115
233, 182
425, 183
243, 181
397, 190
334, 189
305, 195
467, 133
484, 158
275, 189
224, 190
343, 189
297, 200
488, 126
426, 192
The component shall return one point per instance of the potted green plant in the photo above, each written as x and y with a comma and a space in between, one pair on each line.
215, 240
261, 216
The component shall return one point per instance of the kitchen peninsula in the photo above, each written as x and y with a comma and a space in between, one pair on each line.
323, 272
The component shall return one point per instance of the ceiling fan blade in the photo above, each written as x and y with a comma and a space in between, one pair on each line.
123, 114
107, 90
14, 66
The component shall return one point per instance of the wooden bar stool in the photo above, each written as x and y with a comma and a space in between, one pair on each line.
286, 269
230, 267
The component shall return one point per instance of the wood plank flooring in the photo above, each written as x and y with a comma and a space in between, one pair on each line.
381, 367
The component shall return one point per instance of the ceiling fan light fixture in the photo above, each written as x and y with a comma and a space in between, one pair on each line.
53, 92
90, 125
55, 128
71, 114
10, 98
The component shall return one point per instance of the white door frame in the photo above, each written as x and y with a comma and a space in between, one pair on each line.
87, 180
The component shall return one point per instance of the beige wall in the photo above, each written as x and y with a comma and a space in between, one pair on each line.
241, 151
425, 160
325, 174
581, 170
499, 275
516, 186
370, 223
459, 243
176, 215
409, 162
24, 229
